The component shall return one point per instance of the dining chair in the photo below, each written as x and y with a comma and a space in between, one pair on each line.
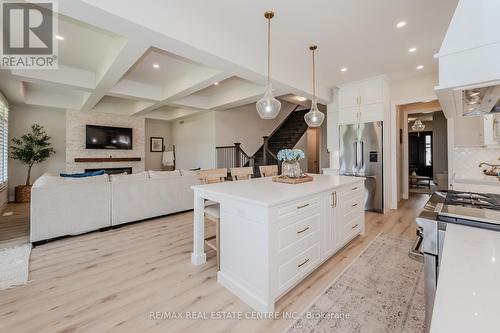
268, 170
241, 173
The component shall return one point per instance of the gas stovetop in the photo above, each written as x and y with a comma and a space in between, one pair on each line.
481, 207
474, 200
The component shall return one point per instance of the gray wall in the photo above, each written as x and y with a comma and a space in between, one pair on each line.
440, 144
157, 128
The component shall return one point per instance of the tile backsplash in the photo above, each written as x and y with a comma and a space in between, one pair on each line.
466, 161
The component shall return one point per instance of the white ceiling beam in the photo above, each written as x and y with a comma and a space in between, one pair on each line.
136, 90
63, 76
185, 86
110, 76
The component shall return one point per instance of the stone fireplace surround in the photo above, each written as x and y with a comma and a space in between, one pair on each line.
76, 122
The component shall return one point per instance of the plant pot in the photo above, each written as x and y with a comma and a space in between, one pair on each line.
23, 193
291, 169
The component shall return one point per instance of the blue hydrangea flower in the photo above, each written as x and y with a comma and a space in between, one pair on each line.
290, 155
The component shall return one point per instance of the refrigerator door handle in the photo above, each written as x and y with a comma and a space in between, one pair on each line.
362, 154
356, 154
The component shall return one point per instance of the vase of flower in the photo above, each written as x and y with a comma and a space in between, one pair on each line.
290, 166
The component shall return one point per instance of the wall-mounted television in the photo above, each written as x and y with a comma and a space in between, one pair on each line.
105, 137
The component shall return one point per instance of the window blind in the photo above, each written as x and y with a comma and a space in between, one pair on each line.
4, 140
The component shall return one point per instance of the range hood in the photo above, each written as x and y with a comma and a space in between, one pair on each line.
469, 60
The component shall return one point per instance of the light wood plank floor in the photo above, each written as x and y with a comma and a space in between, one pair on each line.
111, 281
14, 224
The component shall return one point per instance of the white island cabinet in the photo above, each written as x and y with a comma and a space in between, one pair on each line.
273, 235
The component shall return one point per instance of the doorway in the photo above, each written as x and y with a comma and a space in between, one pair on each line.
420, 153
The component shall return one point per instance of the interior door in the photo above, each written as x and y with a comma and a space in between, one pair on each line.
420, 153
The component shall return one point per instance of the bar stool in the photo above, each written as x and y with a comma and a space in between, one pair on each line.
268, 170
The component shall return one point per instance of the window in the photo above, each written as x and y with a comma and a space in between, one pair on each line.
4, 140
428, 150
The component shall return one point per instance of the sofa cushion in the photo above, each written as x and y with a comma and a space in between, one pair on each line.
164, 174
131, 177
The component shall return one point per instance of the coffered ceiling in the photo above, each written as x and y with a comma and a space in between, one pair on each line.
124, 57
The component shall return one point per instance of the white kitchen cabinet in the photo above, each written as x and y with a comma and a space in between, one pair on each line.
349, 96
363, 101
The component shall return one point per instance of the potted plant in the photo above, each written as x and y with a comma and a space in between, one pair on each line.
290, 166
30, 148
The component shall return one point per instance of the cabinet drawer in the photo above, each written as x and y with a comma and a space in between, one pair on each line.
351, 203
297, 267
293, 233
352, 228
309, 205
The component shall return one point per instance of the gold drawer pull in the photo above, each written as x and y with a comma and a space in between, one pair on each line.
302, 206
354, 188
354, 205
303, 263
355, 226
303, 230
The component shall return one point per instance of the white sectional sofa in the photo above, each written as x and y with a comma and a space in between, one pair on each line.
71, 206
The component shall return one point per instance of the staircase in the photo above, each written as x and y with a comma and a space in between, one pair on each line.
285, 136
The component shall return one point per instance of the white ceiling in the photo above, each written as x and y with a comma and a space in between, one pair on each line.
106, 57
357, 34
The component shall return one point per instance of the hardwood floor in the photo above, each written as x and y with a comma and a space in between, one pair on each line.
112, 280
14, 224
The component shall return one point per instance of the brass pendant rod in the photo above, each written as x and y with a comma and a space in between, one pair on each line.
313, 49
268, 49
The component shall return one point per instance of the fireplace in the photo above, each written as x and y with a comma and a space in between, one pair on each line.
112, 171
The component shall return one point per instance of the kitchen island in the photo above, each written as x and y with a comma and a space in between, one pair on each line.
272, 235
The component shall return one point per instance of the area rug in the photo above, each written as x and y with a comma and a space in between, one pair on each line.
381, 291
14, 266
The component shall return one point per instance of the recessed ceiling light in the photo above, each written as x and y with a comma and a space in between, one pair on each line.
411, 50
59, 37
156, 66
343, 69
401, 24
216, 83
300, 98
420, 66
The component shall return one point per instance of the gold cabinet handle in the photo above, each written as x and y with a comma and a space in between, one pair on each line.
354, 205
303, 230
303, 263
302, 206
354, 188
355, 226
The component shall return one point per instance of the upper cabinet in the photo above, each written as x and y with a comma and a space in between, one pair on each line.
363, 101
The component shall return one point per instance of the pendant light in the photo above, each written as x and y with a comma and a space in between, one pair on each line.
314, 118
418, 126
268, 107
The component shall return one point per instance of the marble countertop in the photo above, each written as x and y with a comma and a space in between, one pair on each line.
468, 291
265, 192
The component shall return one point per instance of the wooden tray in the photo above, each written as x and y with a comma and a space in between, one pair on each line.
287, 180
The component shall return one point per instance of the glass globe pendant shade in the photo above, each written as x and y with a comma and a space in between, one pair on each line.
314, 118
268, 107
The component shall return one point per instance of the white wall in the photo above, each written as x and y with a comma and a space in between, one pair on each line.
467, 131
194, 140
243, 124
75, 140
157, 128
414, 87
54, 121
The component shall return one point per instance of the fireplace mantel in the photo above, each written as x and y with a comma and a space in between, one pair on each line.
106, 159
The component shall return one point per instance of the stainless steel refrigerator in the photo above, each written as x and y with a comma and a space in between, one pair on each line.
361, 155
